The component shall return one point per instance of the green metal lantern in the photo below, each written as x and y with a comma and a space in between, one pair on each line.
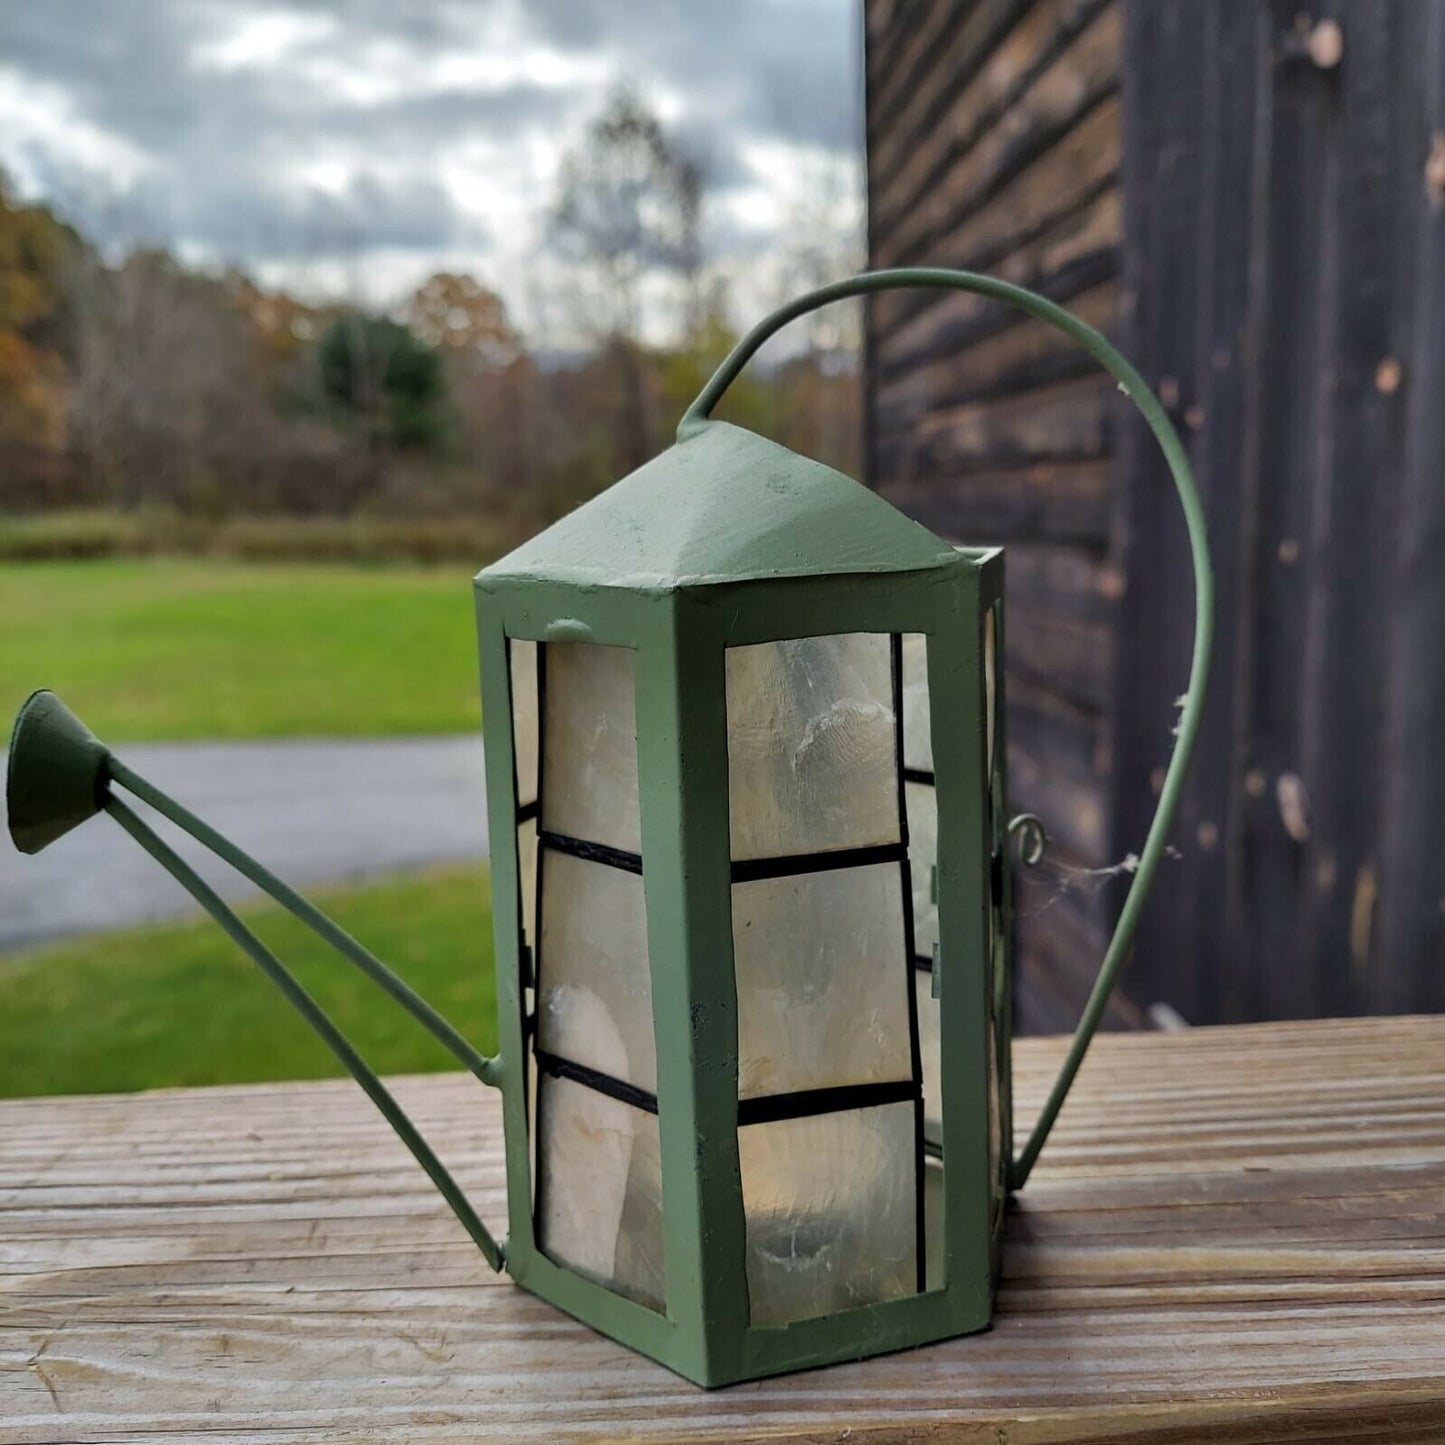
745, 779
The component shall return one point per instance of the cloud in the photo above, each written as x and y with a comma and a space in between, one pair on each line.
307, 128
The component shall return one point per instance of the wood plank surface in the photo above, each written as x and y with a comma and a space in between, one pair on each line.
1236, 1234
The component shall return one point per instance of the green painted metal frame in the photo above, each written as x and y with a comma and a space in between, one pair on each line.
680, 637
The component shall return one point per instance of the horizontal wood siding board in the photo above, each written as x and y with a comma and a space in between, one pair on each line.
1067, 502
1054, 177
1070, 581
1074, 251
935, 335
1038, 58
1077, 738
914, 110
1011, 65
1065, 913
1048, 114
892, 27
1073, 808
1066, 422
1020, 357
1040, 117
1085, 224
984, 425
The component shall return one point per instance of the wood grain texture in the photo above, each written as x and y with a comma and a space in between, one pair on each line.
994, 144
1236, 1234
1282, 282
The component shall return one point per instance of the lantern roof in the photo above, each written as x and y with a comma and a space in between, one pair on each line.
724, 505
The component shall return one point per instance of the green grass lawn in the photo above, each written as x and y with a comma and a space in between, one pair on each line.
178, 649
179, 1004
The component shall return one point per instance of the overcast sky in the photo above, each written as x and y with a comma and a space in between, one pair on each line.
359, 145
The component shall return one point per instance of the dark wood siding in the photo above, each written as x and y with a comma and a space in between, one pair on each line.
1286, 266
1253, 199
994, 144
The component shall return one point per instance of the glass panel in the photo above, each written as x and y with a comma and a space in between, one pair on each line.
917, 736
990, 685
821, 980
831, 1212
922, 803
812, 763
997, 942
527, 874
600, 1189
523, 658
590, 745
933, 1222
929, 1048
595, 988
995, 1111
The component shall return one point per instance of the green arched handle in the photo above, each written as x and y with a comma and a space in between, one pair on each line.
1134, 387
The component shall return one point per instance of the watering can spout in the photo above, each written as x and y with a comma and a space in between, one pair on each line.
60, 774
56, 777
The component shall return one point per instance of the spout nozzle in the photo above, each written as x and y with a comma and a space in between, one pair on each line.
57, 774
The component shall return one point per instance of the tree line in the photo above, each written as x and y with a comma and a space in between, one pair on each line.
145, 383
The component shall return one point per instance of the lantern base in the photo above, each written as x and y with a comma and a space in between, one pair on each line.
714, 1356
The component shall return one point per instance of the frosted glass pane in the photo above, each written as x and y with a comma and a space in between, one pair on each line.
933, 1222
822, 980
523, 659
995, 1109
594, 987
928, 1047
917, 736
831, 1204
600, 1189
922, 804
812, 762
527, 874
990, 685
590, 745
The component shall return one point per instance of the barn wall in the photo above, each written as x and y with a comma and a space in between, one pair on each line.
994, 139
1285, 264
1252, 199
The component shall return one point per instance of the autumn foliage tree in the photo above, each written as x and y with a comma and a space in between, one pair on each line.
141, 382
36, 251
463, 318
